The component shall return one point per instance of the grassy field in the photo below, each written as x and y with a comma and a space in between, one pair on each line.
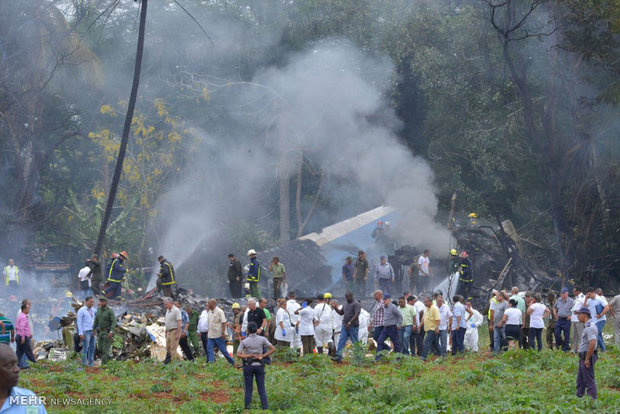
515, 382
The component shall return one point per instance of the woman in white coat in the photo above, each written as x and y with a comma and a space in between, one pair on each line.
284, 330
471, 333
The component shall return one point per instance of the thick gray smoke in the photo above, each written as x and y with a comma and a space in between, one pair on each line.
328, 103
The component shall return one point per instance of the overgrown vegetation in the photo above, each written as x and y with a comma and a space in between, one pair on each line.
524, 381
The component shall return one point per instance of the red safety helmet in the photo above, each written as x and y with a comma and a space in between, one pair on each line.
124, 254
379, 223
114, 256
464, 255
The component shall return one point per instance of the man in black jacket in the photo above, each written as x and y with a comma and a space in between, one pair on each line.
235, 274
167, 277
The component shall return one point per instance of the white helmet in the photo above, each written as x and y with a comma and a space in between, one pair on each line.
251, 252
387, 223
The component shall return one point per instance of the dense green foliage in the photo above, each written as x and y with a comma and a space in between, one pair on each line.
512, 103
516, 382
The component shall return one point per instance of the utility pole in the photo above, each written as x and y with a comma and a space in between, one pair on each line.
118, 169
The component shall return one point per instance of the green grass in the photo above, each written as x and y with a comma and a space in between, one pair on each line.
517, 381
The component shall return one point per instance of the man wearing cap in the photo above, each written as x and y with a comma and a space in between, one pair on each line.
384, 274
587, 354
115, 273
392, 319
104, 324
562, 314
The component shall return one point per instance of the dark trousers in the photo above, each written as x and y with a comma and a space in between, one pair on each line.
491, 337
536, 334
235, 289
186, 349
585, 378
277, 287
431, 340
205, 340
249, 373
388, 332
114, 289
376, 333
458, 341
359, 288
385, 285
562, 326
307, 343
523, 341
23, 349
417, 343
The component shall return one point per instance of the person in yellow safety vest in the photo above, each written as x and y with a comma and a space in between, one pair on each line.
254, 274
492, 302
115, 273
473, 219
166, 278
11, 278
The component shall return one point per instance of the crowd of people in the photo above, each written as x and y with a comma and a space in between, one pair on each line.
408, 325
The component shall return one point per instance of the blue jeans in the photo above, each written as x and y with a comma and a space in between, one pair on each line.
431, 339
221, 345
443, 342
345, 334
388, 332
88, 348
405, 337
458, 341
600, 325
562, 326
535, 334
499, 336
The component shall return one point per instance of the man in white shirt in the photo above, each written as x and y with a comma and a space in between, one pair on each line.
84, 281
576, 326
291, 307
445, 315
424, 269
419, 335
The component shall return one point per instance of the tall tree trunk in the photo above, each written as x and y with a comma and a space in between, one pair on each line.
126, 129
285, 206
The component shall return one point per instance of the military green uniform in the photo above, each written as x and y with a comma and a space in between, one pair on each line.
105, 322
192, 333
550, 329
454, 265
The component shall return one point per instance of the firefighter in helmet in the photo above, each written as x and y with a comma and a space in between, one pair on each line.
466, 277
166, 279
455, 262
253, 274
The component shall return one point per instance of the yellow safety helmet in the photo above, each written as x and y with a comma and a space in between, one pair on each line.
472, 215
453, 252
327, 295
68, 294
236, 306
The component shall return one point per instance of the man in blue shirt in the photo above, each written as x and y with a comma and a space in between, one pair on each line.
184, 332
459, 324
85, 320
14, 400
